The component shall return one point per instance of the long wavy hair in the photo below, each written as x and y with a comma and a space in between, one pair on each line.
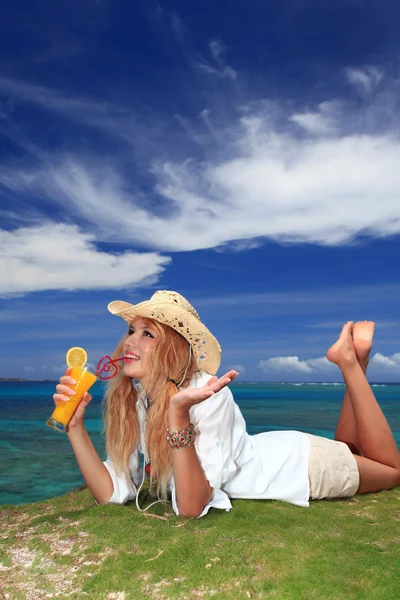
168, 360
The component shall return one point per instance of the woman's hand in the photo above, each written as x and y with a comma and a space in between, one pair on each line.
64, 393
185, 399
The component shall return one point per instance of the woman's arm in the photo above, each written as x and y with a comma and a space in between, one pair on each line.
193, 492
93, 470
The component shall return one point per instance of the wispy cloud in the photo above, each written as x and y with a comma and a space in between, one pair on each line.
217, 66
324, 175
320, 122
345, 296
59, 102
113, 121
366, 78
178, 28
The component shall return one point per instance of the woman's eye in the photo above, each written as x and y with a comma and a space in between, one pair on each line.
145, 333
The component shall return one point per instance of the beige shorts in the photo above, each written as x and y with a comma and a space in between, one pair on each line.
332, 469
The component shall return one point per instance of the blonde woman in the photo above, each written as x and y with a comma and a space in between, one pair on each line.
167, 405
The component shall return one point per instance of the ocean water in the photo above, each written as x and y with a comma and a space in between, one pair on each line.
37, 462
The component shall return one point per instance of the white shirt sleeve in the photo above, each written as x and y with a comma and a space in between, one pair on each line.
124, 490
214, 421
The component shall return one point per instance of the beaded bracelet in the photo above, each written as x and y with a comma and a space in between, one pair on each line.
183, 438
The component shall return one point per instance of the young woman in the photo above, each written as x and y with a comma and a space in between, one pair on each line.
193, 436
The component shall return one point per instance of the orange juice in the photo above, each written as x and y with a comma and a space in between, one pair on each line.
64, 411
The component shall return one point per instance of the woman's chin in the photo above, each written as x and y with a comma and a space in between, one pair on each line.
132, 371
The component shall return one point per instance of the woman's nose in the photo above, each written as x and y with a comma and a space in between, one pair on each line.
135, 335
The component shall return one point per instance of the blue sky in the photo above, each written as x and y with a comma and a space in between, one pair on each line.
244, 155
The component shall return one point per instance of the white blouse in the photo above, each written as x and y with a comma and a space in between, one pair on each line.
271, 465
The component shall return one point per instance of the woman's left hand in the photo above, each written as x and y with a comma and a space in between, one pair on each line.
185, 399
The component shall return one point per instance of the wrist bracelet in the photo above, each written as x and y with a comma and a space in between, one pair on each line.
183, 438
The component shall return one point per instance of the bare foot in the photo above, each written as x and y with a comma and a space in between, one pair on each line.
343, 352
363, 333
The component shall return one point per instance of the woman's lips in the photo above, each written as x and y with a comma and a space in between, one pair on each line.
131, 358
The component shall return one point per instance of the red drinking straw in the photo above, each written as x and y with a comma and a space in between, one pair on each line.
108, 366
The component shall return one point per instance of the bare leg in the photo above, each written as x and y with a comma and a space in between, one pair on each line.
380, 466
346, 430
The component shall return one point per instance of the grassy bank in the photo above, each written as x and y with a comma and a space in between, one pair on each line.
68, 547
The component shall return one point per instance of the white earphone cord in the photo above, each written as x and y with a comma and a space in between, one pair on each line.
140, 487
144, 457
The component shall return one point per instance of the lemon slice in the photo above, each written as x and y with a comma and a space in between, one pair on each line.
76, 357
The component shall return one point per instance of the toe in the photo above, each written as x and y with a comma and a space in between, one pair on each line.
347, 327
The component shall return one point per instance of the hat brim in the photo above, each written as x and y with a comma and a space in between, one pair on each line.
205, 347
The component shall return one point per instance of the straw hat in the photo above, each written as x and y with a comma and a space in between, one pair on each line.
172, 309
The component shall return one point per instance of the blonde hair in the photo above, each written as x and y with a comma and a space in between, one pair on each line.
170, 359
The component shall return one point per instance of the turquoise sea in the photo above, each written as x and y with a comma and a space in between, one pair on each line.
38, 463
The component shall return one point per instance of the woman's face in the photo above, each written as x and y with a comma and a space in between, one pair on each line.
137, 348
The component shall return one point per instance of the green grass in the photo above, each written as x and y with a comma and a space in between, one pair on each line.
68, 547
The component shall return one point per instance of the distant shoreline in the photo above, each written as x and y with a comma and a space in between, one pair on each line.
22, 380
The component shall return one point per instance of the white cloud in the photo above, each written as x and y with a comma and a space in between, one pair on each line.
387, 362
294, 365
59, 256
260, 176
285, 363
320, 364
325, 192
